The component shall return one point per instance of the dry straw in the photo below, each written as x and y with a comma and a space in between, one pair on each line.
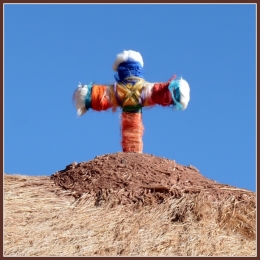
43, 220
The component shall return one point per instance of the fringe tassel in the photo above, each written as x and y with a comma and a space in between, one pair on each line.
79, 97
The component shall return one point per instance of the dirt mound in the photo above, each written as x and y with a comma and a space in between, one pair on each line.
139, 179
127, 204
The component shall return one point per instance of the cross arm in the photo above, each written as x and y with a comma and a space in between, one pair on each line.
142, 93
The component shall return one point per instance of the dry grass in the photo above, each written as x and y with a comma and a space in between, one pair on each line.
41, 220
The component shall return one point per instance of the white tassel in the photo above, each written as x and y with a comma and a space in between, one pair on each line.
79, 99
185, 93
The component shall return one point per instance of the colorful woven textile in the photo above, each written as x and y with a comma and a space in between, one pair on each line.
131, 93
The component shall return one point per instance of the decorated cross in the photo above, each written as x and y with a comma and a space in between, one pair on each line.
131, 93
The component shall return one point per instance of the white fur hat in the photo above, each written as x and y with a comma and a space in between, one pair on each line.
127, 56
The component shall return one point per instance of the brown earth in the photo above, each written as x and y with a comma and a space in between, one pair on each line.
140, 179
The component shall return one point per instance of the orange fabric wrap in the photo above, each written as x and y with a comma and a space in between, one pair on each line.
132, 132
99, 99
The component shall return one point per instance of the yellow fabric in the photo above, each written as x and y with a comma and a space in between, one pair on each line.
129, 94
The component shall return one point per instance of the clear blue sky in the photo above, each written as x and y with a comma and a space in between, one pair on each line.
49, 49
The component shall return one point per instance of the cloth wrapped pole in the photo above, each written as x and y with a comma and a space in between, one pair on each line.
131, 93
132, 132
128, 90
